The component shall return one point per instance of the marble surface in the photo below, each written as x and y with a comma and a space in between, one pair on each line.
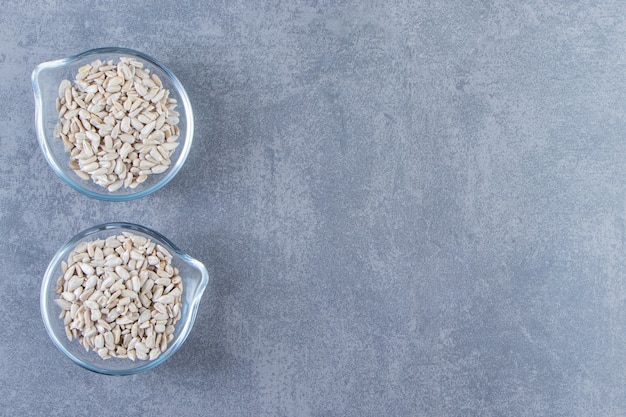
409, 208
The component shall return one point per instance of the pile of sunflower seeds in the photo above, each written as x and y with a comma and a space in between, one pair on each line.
117, 122
120, 297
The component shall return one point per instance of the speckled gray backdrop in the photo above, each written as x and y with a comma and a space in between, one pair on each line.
408, 208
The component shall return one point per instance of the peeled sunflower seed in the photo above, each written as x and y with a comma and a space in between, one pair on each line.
120, 309
108, 115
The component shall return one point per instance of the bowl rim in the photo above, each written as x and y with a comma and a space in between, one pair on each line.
44, 142
59, 256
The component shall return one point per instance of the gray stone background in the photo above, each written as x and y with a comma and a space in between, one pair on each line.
408, 208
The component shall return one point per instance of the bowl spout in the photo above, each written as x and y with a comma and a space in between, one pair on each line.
196, 278
45, 80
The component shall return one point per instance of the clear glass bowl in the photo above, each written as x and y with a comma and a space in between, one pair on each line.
46, 79
194, 277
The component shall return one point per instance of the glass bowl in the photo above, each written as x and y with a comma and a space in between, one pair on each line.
194, 277
46, 79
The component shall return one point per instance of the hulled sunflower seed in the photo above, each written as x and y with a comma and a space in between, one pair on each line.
111, 102
106, 300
